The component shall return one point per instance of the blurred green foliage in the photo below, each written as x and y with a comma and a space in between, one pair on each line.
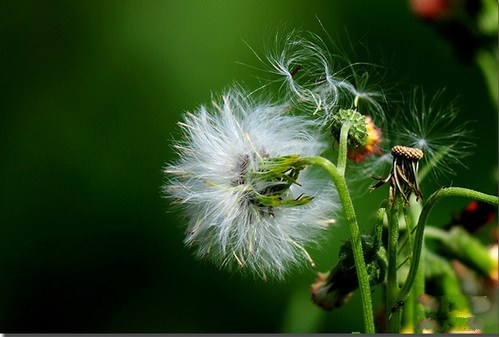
90, 95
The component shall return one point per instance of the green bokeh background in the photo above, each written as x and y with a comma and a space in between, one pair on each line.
90, 96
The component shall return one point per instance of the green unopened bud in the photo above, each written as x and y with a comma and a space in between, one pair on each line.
333, 289
363, 136
357, 136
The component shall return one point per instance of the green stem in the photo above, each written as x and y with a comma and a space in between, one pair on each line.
392, 289
409, 227
360, 265
418, 239
342, 152
417, 290
412, 214
411, 306
408, 316
378, 229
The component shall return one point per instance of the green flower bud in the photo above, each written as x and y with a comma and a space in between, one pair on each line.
363, 136
357, 135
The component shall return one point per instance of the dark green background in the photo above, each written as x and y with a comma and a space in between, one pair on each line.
90, 94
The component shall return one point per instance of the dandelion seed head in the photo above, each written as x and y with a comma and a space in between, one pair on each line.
211, 180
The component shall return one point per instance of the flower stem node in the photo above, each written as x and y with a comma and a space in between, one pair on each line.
363, 136
403, 175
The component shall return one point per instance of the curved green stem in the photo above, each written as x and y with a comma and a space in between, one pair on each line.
392, 288
415, 311
418, 239
342, 153
408, 316
417, 290
360, 265
378, 229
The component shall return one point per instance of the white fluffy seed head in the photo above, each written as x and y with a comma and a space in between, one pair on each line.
221, 144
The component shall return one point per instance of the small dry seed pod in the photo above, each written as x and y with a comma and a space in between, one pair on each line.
406, 152
403, 175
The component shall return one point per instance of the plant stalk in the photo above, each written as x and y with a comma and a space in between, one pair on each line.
342, 151
392, 288
348, 209
418, 239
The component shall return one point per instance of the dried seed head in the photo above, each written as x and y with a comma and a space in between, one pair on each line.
407, 152
403, 176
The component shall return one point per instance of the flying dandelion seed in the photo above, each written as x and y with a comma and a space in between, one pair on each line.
427, 125
318, 81
433, 127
